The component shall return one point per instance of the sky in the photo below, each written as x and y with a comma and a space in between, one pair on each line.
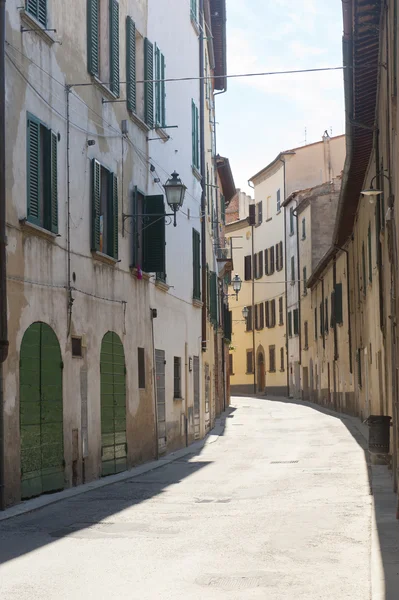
260, 116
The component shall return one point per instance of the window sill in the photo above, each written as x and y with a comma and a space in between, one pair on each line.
104, 258
162, 285
272, 371
177, 399
32, 229
196, 173
33, 23
139, 122
268, 220
101, 86
145, 276
197, 303
165, 137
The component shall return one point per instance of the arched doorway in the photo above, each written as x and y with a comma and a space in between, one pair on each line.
113, 405
41, 412
261, 370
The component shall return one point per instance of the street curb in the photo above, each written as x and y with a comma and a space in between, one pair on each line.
42, 501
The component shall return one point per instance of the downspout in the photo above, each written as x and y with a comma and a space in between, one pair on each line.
3, 242
202, 158
286, 285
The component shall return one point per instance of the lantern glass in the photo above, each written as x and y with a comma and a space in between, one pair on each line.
237, 284
175, 191
245, 312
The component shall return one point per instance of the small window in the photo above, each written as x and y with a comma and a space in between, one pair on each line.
104, 210
76, 347
177, 377
303, 229
281, 359
141, 367
278, 201
250, 365
103, 42
38, 9
42, 189
272, 359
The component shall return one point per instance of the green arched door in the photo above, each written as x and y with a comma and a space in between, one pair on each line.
113, 405
41, 412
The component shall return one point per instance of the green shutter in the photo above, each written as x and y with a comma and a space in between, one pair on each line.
296, 321
193, 137
114, 45
93, 40
157, 85
154, 235
370, 254
338, 304
95, 205
33, 170
364, 269
163, 92
53, 203
135, 232
131, 64
113, 250
194, 134
37, 8
213, 298
149, 84
197, 162
193, 10
196, 265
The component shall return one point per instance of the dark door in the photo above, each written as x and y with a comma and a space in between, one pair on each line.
113, 405
161, 404
197, 410
41, 412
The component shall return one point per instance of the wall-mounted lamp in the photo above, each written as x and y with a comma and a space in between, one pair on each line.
245, 312
91, 142
237, 283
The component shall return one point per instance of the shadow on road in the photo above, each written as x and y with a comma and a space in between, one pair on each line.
385, 501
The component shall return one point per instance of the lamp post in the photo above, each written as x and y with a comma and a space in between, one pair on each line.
175, 191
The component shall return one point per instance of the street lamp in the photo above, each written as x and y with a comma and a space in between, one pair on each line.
245, 312
237, 283
175, 191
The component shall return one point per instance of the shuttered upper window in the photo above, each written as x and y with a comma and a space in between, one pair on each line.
195, 135
104, 211
42, 187
131, 74
103, 42
196, 265
38, 9
160, 110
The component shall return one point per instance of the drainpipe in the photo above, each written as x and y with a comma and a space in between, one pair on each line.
202, 158
286, 286
3, 280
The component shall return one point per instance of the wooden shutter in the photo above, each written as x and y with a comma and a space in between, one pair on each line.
131, 64
257, 316
281, 257
260, 213
149, 83
326, 316
196, 265
305, 279
359, 366
281, 311
260, 264
113, 249
315, 324
252, 215
247, 268
281, 359
95, 204
267, 311
261, 316
338, 304
292, 269
213, 294
249, 319
272, 260
306, 335
249, 361
273, 303
38, 8
53, 203
321, 319
277, 257
154, 235
256, 270
296, 321
364, 269
370, 254
157, 85
33, 168
223, 211
267, 262
290, 324
114, 45
93, 39
163, 92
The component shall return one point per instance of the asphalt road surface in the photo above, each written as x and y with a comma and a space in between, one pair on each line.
278, 507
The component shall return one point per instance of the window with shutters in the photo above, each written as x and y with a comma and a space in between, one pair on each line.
103, 42
267, 313
272, 265
247, 268
306, 335
160, 98
292, 269
249, 319
261, 316
332, 309
177, 377
257, 316
256, 266
281, 359
259, 215
42, 183
326, 324
196, 265
148, 234
280, 263
278, 201
267, 269
250, 362
104, 238
141, 367
305, 281
260, 264
338, 304
290, 324
296, 321
272, 313
195, 136
131, 66
149, 116
281, 311
272, 359
38, 9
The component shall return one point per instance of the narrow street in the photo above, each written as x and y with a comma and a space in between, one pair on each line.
278, 506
